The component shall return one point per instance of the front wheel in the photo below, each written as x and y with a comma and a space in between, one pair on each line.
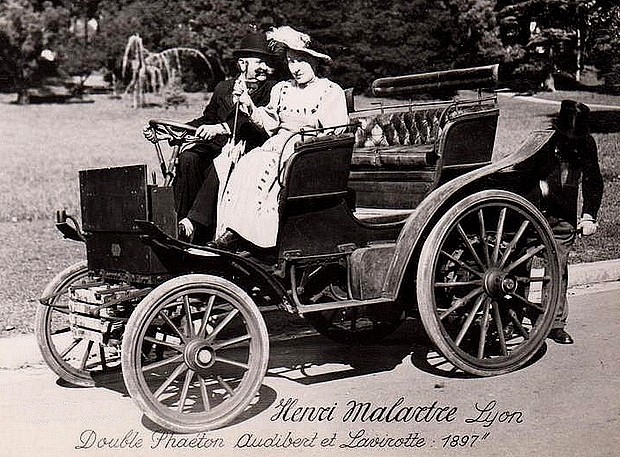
194, 353
488, 282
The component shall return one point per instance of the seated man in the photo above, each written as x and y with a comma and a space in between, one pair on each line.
195, 184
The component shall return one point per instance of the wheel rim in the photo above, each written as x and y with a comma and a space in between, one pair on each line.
75, 360
491, 283
198, 373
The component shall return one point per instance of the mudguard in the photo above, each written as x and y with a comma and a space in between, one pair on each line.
182, 258
411, 235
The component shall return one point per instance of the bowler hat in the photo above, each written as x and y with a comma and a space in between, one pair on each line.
573, 119
253, 45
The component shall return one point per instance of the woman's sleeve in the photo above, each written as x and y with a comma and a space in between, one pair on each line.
268, 116
333, 110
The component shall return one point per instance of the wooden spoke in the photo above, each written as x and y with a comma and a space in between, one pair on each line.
499, 235
483, 237
188, 316
231, 315
178, 371
462, 264
524, 258
239, 339
104, 365
161, 363
62, 330
64, 309
245, 366
461, 302
89, 346
526, 302
71, 346
469, 320
176, 347
513, 243
173, 327
183, 397
205, 318
225, 385
500, 328
484, 327
475, 282
204, 393
470, 247
518, 325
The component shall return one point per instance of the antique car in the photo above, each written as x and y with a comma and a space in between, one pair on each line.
406, 215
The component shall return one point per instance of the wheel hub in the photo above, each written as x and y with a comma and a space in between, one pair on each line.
199, 354
498, 283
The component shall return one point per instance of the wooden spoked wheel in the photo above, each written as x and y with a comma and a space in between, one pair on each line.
488, 282
74, 359
195, 353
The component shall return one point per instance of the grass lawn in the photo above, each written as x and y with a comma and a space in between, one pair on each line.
44, 147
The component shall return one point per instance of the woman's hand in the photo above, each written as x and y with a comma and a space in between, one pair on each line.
242, 96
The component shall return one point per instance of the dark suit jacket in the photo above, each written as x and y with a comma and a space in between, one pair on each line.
221, 109
569, 162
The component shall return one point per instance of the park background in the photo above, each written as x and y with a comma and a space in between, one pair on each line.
71, 73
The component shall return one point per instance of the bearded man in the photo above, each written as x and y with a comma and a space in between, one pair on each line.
195, 185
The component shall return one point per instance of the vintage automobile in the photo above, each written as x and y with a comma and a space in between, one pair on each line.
407, 215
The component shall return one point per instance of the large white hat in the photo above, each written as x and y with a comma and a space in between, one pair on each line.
295, 40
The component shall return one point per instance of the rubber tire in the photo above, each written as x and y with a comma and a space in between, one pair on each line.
425, 273
132, 346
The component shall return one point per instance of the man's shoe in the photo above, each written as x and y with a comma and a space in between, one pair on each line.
186, 229
560, 336
227, 241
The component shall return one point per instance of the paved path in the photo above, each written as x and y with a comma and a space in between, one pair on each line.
565, 404
534, 99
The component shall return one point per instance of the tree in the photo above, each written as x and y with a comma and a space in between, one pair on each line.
604, 41
369, 39
24, 33
545, 36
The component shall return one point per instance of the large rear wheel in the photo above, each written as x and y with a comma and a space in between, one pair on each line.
195, 352
488, 282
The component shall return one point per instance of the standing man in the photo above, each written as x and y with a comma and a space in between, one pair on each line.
573, 159
195, 185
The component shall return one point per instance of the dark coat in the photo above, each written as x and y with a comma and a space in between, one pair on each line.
221, 109
571, 160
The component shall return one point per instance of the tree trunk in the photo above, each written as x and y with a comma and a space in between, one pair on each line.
549, 84
23, 97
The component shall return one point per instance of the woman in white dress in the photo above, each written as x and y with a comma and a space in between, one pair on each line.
248, 205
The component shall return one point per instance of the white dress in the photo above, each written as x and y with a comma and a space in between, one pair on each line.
249, 195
